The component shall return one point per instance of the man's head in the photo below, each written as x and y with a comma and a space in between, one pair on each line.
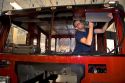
78, 24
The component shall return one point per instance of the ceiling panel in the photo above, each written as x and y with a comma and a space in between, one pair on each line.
4, 4
81, 1
65, 2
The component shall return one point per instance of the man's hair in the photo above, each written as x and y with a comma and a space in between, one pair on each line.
77, 20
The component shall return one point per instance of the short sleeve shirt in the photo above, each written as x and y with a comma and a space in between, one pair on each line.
81, 48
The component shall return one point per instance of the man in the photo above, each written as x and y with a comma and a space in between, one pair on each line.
84, 37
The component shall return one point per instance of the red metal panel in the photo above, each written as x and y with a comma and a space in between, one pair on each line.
120, 30
115, 66
4, 31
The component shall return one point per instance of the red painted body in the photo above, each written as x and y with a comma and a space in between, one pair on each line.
115, 66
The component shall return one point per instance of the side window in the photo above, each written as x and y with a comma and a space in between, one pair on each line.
111, 39
42, 43
107, 41
17, 36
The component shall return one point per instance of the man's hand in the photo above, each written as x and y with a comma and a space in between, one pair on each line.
91, 24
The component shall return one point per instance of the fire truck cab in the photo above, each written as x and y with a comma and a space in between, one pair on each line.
36, 45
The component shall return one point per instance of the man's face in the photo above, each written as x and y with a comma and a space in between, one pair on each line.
78, 25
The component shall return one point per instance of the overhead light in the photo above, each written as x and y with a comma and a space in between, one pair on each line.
112, 2
15, 5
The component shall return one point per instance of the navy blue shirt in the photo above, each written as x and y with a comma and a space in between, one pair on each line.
81, 48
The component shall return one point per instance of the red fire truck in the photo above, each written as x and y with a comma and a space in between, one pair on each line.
46, 54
